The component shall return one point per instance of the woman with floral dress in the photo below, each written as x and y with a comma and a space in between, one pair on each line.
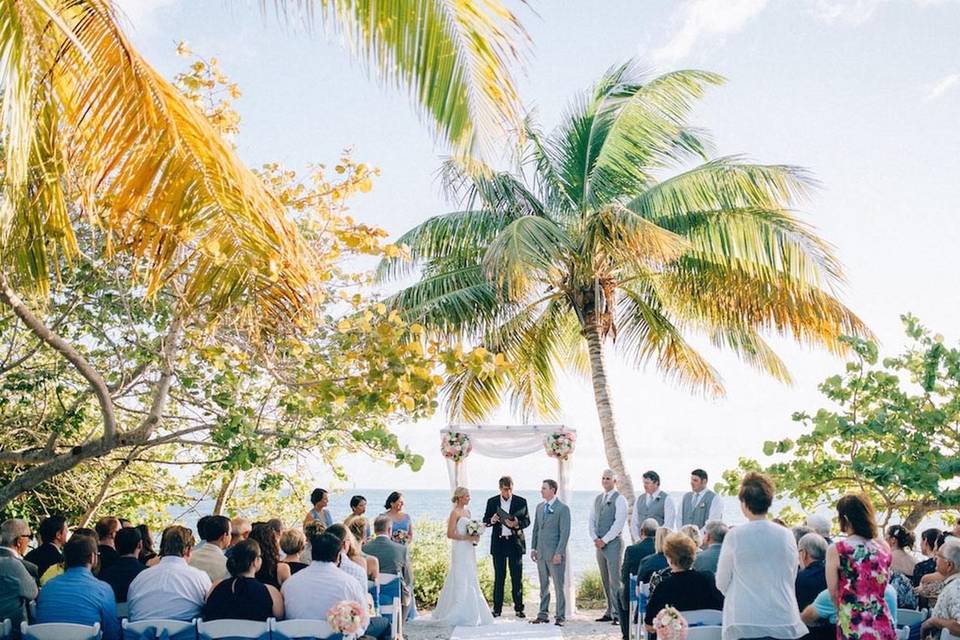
857, 571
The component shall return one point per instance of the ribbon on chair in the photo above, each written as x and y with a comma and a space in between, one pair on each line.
266, 635
151, 633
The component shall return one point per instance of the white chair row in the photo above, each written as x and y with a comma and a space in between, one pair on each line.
908, 617
214, 630
6, 630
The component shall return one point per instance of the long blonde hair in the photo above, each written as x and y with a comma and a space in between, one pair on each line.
661, 536
458, 493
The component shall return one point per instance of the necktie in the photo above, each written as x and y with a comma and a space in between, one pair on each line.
696, 500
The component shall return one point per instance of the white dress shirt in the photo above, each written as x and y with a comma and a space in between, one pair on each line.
170, 589
619, 519
669, 512
948, 602
757, 572
210, 559
505, 531
716, 507
353, 569
311, 592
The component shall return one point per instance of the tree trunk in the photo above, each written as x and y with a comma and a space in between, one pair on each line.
101, 494
226, 488
608, 424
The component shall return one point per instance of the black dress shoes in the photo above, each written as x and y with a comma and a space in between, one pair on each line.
496, 614
559, 622
521, 615
539, 621
604, 618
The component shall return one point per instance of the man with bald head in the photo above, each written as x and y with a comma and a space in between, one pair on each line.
608, 514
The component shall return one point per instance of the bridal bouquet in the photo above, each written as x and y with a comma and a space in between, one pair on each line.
455, 445
401, 536
669, 624
474, 528
560, 444
346, 617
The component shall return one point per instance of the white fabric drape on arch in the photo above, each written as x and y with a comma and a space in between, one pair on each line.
514, 441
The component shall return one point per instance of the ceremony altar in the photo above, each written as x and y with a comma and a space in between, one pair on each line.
459, 441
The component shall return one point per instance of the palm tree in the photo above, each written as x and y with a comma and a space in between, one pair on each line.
586, 245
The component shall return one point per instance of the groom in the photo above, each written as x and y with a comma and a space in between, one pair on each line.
551, 531
507, 544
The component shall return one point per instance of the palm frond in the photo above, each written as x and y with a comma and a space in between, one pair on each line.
753, 350
528, 250
631, 242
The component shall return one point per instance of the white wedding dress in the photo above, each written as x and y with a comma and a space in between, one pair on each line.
461, 602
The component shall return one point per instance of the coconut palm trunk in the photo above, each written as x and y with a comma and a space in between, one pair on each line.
601, 394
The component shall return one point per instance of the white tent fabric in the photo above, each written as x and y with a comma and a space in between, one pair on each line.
514, 441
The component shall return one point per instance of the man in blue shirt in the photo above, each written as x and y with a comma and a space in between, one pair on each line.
77, 596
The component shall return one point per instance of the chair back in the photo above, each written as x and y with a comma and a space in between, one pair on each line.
122, 609
703, 617
946, 635
154, 629
6, 630
910, 617
59, 631
374, 590
32, 610
232, 630
390, 589
705, 633
632, 630
304, 630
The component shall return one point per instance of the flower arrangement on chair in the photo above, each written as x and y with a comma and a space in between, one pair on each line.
455, 445
669, 624
560, 444
346, 617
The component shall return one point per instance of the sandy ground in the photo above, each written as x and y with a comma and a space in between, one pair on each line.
580, 626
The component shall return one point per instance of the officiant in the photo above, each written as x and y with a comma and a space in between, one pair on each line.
508, 516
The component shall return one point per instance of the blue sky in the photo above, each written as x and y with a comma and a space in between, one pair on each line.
864, 93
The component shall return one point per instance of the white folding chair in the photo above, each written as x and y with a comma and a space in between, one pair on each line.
6, 631
217, 629
133, 630
911, 616
304, 629
32, 610
59, 631
703, 617
903, 633
946, 635
705, 633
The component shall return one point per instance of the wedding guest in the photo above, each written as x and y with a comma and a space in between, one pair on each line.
125, 524
77, 597
946, 613
346, 564
241, 596
856, 569
700, 504
811, 580
757, 569
171, 589
930, 541
800, 531
653, 563
319, 498
653, 503
902, 564
686, 590
210, 558
148, 556
402, 524
608, 514
392, 556
53, 535
239, 530
311, 593
820, 524
19, 586
821, 614
121, 573
357, 526
292, 542
633, 556
201, 531
106, 529
57, 569
272, 571
690, 532
714, 533
309, 532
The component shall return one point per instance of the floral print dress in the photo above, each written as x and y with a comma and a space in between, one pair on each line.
862, 613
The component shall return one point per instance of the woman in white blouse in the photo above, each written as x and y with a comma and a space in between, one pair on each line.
757, 569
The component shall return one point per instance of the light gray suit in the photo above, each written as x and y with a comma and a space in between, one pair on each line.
551, 532
393, 558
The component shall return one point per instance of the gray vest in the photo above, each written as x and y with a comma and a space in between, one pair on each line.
653, 510
605, 512
696, 515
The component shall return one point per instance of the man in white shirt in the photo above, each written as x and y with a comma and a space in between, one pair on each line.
608, 514
210, 558
311, 592
171, 588
946, 613
700, 505
653, 503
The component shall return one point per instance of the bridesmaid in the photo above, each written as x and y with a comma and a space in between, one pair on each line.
319, 498
402, 533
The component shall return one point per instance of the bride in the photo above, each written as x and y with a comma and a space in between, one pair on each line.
461, 602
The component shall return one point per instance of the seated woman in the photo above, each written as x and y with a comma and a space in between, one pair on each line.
292, 542
656, 562
685, 590
242, 596
691, 532
902, 564
271, 571
357, 525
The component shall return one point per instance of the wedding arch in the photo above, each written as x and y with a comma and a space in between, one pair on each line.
460, 441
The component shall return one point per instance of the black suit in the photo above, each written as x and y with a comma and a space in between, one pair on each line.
810, 582
508, 551
632, 558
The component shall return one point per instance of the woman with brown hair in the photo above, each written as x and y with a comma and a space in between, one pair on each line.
857, 570
271, 571
685, 590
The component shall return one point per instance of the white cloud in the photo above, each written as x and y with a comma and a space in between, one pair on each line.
706, 20
851, 12
139, 14
940, 87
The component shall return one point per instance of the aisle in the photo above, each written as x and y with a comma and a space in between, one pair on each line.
513, 629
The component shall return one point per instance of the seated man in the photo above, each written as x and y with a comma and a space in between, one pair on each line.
121, 573
822, 612
632, 557
946, 613
171, 588
210, 557
17, 586
77, 596
107, 528
811, 579
392, 556
53, 535
713, 534
310, 593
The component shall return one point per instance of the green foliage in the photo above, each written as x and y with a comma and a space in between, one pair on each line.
590, 593
892, 432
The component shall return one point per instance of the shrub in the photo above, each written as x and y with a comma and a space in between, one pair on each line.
590, 594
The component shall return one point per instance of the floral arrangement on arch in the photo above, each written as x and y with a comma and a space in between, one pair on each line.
560, 444
346, 617
455, 445
669, 624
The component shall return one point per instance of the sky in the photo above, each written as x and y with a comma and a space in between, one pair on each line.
863, 93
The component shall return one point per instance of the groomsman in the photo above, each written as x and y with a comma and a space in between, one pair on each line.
551, 532
608, 514
653, 503
507, 544
700, 505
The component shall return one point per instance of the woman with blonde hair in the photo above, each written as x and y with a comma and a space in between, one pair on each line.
656, 562
692, 532
461, 601
356, 525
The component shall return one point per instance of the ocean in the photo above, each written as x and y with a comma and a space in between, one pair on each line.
434, 504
